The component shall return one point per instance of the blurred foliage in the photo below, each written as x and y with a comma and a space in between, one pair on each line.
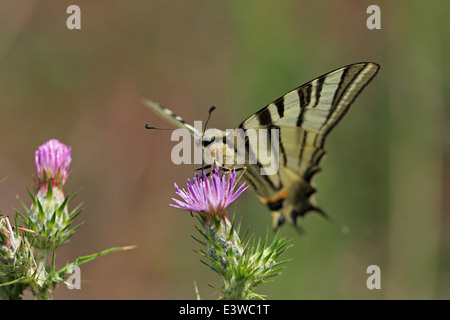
386, 176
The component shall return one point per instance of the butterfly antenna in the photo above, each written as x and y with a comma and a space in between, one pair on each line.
147, 126
203, 132
209, 116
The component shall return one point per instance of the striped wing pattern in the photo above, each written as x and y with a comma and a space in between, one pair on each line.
170, 117
304, 117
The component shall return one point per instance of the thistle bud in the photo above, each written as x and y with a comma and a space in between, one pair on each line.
49, 215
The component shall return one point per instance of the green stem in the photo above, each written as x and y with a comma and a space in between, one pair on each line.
84, 259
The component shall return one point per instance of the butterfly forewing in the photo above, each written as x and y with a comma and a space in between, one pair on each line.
169, 116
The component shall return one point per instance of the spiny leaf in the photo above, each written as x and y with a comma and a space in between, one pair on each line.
73, 197
203, 243
16, 225
75, 211
62, 206
41, 214
33, 199
49, 190
24, 219
52, 222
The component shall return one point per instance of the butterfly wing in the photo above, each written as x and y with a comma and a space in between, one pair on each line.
170, 117
304, 117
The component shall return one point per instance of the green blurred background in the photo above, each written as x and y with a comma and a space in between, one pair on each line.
386, 176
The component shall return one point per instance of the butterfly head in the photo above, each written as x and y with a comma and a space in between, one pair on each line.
211, 136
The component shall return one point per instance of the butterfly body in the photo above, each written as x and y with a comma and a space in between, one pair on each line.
299, 122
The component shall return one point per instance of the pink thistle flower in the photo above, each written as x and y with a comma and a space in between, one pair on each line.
209, 196
52, 160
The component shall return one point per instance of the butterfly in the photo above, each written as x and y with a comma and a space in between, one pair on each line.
302, 119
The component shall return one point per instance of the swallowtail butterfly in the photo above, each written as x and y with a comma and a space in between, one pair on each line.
304, 117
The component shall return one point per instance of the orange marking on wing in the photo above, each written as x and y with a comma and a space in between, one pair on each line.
282, 195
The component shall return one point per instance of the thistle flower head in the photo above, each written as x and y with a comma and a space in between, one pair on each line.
209, 196
49, 215
52, 160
